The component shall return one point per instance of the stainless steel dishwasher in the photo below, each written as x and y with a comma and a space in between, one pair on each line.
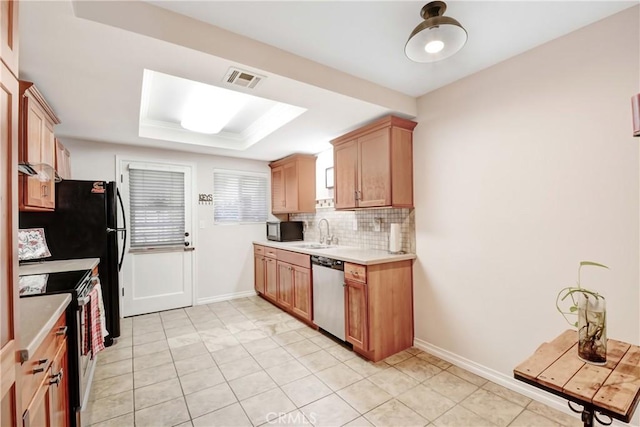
328, 295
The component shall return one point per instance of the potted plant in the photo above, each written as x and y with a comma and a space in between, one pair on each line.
590, 309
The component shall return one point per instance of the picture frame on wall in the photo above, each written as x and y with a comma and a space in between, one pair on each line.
328, 177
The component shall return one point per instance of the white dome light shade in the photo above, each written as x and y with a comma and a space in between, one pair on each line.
437, 37
210, 108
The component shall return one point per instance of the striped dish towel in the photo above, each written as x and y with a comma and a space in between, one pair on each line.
95, 320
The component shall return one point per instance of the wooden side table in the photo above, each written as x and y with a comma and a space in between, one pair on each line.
612, 389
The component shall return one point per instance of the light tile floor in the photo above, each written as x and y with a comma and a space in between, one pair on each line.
244, 362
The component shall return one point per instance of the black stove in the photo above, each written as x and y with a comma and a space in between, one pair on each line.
77, 283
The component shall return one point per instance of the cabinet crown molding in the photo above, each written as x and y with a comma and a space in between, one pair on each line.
378, 124
29, 89
292, 157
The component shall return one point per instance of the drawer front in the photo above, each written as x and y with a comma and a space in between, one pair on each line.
355, 272
35, 369
258, 250
294, 258
270, 252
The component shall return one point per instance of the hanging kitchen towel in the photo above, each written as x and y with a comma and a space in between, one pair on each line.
97, 339
103, 318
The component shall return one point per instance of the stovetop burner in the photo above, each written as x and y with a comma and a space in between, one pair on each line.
54, 283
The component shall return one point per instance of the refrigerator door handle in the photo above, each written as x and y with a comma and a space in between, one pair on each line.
124, 229
111, 230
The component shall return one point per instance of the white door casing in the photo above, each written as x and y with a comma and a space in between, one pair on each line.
157, 278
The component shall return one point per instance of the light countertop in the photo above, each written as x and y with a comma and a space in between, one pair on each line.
58, 266
343, 253
37, 316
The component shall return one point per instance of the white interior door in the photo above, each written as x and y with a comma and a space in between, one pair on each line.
157, 273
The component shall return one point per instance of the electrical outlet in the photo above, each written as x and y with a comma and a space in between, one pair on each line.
355, 225
377, 223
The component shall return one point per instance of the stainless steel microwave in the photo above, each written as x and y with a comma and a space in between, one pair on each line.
285, 231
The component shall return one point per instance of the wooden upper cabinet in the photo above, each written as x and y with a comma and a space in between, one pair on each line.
374, 169
277, 189
37, 146
10, 396
345, 157
293, 184
9, 34
63, 161
374, 165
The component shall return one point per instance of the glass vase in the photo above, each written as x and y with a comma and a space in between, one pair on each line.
592, 329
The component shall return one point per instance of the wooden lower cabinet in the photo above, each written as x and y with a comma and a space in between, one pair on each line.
302, 293
379, 308
294, 289
45, 382
356, 308
285, 285
284, 278
260, 272
271, 279
59, 384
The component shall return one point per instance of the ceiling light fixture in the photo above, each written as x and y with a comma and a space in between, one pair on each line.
437, 37
209, 109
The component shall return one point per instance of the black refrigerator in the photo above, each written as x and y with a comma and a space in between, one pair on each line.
84, 225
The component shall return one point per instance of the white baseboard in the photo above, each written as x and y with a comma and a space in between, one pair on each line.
226, 297
499, 378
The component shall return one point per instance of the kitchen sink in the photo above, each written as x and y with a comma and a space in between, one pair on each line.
314, 246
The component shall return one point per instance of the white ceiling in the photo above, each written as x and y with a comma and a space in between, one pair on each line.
91, 73
367, 38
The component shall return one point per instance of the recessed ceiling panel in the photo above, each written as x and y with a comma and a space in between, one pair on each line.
166, 102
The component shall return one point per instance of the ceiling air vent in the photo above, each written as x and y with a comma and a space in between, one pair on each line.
238, 77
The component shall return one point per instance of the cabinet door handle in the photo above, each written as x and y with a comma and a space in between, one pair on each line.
57, 378
37, 370
62, 330
356, 194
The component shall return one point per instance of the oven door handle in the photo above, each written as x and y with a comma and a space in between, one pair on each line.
83, 301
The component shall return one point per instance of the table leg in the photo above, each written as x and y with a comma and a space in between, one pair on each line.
587, 416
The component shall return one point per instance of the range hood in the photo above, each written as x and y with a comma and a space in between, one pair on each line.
42, 171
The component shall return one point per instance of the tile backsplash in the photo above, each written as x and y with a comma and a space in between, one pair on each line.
360, 228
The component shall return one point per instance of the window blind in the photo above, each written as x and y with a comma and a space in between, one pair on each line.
239, 197
157, 208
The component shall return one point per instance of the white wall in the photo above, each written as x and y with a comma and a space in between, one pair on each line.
521, 171
224, 254
323, 161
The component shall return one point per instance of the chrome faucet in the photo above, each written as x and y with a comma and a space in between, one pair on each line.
328, 237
